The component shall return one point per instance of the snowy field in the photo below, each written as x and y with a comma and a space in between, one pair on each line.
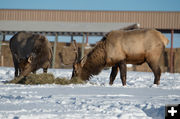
140, 99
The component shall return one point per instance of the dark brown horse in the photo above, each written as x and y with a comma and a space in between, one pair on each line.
30, 52
122, 47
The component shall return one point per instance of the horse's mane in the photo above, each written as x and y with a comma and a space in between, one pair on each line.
95, 61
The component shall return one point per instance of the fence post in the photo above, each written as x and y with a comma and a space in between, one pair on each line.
2, 60
72, 38
171, 53
1, 38
82, 47
87, 38
54, 50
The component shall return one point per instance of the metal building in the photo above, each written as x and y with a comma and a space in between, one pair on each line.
84, 22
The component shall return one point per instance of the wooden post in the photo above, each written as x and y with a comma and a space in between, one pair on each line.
1, 39
54, 51
82, 48
71, 38
171, 53
3, 36
2, 60
87, 38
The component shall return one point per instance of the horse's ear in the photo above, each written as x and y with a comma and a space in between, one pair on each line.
30, 59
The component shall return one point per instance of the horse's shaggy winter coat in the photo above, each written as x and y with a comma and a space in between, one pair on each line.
120, 47
30, 52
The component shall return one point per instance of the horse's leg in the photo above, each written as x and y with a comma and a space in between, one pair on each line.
113, 74
123, 71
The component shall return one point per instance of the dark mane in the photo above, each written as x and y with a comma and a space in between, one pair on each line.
105, 37
95, 60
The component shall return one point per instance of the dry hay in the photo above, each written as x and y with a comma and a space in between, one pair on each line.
64, 81
34, 79
45, 78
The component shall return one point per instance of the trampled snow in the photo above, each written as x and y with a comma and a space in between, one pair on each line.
140, 99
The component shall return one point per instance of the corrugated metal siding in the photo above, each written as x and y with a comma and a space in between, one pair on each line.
160, 20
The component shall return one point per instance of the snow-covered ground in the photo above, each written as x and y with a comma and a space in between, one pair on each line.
140, 99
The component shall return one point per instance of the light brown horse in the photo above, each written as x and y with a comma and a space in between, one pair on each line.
121, 47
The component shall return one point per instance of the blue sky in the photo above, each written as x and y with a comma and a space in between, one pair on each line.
137, 5
122, 5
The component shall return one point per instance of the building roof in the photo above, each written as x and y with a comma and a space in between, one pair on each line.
147, 19
63, 28
79, 21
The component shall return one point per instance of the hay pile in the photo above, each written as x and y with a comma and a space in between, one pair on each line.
34, 79
64, 81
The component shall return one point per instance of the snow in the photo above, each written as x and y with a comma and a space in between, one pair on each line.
140, 99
